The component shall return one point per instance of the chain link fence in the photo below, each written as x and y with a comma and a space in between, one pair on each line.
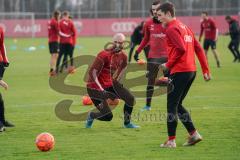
117, 8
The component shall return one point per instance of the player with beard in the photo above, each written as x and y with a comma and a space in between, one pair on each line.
154, 36
103, 83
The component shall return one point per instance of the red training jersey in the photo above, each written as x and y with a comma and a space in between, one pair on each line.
67, 31
209, 28
154, 36
106, 65
181, 47
53, 30
3, 54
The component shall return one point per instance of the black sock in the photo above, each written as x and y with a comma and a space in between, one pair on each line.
150, 89
2, 117
127, 113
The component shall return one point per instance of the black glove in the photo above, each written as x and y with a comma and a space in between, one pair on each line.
5, 64
136, 56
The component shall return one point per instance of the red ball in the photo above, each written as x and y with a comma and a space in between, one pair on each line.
86, 100
45, 142
141, 62
113, 102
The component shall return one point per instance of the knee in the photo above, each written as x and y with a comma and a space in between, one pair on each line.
108, 117
131, 101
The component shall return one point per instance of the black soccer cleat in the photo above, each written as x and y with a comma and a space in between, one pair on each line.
8, 124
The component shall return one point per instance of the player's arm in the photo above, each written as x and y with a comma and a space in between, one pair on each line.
215, 30
145, 39
3, 51
201, 32
95, 69
177, 41
202, 59
74, 34
121, 70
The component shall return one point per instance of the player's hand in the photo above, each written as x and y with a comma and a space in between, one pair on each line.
4, 84
136, 56
207, 76
163, 67
5, 64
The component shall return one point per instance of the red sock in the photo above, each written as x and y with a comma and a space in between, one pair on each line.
171, 138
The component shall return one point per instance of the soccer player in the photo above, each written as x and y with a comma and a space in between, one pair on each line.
181, 45
3, 63
210, 30
136, 39
103, 83
154, 36
67, 32
71, 68
53, 40
234, 31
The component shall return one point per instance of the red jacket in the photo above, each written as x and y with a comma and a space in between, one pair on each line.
67, 31
53, 31
209, 28
154, 36
181, 47
3, 55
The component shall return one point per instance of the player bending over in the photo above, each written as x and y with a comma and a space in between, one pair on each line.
181, 63
103, 83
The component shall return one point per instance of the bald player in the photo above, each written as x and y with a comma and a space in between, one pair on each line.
103, 83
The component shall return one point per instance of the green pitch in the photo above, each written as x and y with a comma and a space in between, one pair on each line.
30, 105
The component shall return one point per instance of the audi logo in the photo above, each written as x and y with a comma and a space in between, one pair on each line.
123, 26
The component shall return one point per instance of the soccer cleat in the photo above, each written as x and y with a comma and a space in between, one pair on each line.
146, 108
8, 124
2, 128
193, 139
131, 125
89, 121
71, 70
169, 144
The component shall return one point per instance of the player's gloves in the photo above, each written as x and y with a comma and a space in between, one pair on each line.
136, 56
163, 67
5, 64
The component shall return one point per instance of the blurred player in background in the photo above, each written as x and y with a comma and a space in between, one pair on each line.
234, 31
103, 83
53, 40
67, 31
154, 36
3, 63
181, 45
210, 30
136, 39
71, 68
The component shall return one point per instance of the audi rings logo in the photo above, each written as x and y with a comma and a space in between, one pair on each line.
3, 26
123, 26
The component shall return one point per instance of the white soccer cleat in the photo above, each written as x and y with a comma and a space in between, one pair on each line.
193, 139
169, 144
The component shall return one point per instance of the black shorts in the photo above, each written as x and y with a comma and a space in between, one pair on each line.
66, 49
209, 42
53, 47
153, 66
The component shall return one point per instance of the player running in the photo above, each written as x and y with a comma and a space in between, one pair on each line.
67, 31
234, 31
210, 30
53, 40
103, 83
136, 39
3, 63
154, 36
181, 45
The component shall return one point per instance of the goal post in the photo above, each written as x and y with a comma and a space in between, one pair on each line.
22, 24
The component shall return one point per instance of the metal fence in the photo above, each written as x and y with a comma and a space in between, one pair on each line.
117, 8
